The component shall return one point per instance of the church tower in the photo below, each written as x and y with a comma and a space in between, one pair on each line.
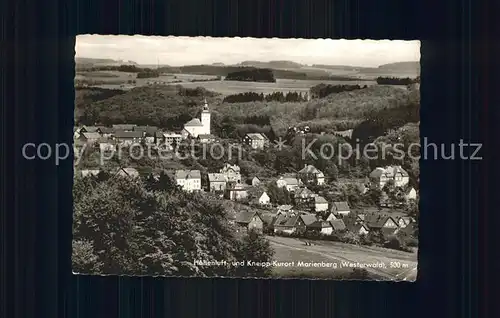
205, 118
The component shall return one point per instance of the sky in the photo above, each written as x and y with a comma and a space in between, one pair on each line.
177, 51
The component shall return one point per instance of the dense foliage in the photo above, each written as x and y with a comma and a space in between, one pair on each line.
397, 80
323, 90
255, 97
151, 227
148, 74
252, 75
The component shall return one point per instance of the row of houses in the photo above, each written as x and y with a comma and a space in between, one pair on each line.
298, 222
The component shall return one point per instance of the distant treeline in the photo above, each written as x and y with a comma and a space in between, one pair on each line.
256, 97
148, 74
397, 80
119, 68
323, 90
252, 75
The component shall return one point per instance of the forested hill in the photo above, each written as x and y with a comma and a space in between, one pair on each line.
252, 75
401, 67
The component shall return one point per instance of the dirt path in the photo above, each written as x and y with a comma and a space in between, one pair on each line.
349, 253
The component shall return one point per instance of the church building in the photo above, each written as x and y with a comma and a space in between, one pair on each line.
196, 127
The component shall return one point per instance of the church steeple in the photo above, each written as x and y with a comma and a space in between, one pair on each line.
205, 107
205, 118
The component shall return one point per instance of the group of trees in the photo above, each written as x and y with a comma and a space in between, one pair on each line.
252, 75
397, 80
148, 74
323, 90
256, 97
151, 227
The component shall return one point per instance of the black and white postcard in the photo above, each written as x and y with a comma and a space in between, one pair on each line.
246, 157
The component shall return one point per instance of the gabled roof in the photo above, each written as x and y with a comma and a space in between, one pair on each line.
124, 126
377, 220
91, 135
289, 181
193, 122
310, 169
319, 224
388, 172
285, 207
206, 136
338, 225
256, 136
246, 217
355, 227
286, 221
128, 172
320, 200
308, 219
128, 134
217, 177
91, 129
340, 206
106, 130
304, 192
187, 174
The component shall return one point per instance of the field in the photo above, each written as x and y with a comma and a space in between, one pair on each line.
114, 80
290, 249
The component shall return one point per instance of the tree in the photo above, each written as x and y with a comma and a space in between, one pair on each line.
254, 247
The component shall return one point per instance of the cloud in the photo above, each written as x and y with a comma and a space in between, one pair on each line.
206, 50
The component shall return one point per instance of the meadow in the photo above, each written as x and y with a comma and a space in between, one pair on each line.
291, 249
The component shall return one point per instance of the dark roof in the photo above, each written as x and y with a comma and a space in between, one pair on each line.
308, 219
286, 221
377, 220
387, 231
246, 216
124, 126
256, 136
91, 135
206, 136
338, 225
146, 128
128, 134
107, 130
340, 206
319, 224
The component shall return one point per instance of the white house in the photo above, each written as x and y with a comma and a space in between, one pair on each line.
411, 194
290, 183
264, 199
196, 127
130, 173
340, 208
217, 181
255, 140
310, 174
232, 174
322, 227
189, 180
320, 204
380, 176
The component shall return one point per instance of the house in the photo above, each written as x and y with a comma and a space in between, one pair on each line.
124, 127
358, 228
338, 225
289, 223
89, 172
284, 209
377, 221
89, 137
340, 208
170, 138
250, 221
308, 218
148, 130
76, 132
264, 199
106, 131
217, 181
232, 174
130, 173
189, 180
128, 137
303, 195
255, 181
380, 176
205, 138
330, 216
323, 227
196, 126
404, 221
90, 129
310, 174
255, 140
410, 229
290, 183
411, 194
238, 192
320, 204
344, 133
